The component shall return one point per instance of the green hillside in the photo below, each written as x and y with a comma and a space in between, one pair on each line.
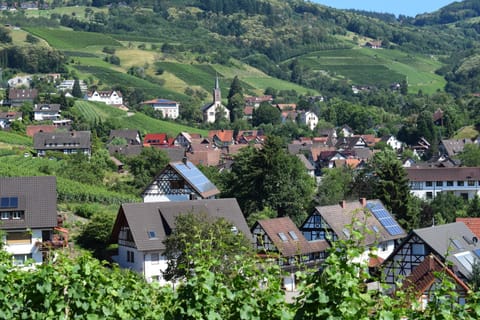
180, 45
364, 66
97, 112
66, 39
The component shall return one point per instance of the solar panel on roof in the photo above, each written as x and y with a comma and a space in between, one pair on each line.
9, 202
477, 252
4, 202
14, 202
384, 217
194, 176
457, 243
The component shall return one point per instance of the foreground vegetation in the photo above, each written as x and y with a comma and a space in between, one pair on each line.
83, 288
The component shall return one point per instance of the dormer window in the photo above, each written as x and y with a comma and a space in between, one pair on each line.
152, 234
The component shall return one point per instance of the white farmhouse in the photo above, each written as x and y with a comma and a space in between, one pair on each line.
108, 97
309, 119
169, 109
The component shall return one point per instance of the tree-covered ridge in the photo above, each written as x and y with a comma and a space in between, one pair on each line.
264, 34
454, 12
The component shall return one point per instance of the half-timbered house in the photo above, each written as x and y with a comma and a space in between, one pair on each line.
279, 238
334, 222
427, 276
180, 181
453, 242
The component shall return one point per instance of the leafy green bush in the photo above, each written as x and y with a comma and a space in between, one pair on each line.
86, 210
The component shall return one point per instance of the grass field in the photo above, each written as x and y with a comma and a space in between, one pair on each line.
194, 75
14, 139
77, 11
365, 66
95, 112
72, 40
203, 76
135, 57
468, 132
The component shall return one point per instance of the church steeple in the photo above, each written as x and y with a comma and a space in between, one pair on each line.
217, 94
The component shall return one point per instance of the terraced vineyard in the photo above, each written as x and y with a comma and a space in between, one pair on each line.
372, 67
95, 112
113, 77
15, 139
68, 190
71, 40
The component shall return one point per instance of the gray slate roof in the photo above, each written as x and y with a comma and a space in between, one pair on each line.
443, 174
160, 218
128, 134
440, 237
61, 140
308, 165
129, 150
339, 217
45, 107
37, 196
453, 147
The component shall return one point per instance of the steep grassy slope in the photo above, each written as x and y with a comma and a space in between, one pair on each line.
96, 112
68, 40
364, 66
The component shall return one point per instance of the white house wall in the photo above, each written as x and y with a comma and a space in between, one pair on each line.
121, 259
31, 248
151, 270
166, 197
422, 191
154, 268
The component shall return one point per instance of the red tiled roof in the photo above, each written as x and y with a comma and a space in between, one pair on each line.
222, 135
267, 98
204, 157
155, 139
424, 276
33, 129
248, 111
473, 224
375, 262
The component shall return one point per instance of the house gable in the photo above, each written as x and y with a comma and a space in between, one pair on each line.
180, 181
316, 228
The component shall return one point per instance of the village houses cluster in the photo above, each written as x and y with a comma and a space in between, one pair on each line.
32, 227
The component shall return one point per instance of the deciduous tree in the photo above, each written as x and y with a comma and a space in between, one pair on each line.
470, 156
272, 178
182, 252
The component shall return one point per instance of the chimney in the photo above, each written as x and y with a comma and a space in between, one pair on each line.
342, 204
184, 160
363, 202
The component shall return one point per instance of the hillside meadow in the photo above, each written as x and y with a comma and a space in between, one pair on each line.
98, 112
